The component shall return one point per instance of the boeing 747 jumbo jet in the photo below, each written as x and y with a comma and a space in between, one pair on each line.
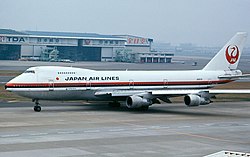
139, 89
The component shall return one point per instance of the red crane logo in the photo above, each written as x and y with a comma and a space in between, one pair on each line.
232, 54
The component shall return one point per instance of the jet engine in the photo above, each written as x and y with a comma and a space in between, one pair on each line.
135, 101
195, 100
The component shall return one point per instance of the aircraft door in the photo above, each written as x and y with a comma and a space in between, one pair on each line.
36, 74
51, 84
131, 84
165, 83
209, 82
88, 85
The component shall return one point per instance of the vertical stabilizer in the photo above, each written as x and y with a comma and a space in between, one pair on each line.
228, 57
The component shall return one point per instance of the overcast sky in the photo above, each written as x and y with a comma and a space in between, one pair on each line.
203, 22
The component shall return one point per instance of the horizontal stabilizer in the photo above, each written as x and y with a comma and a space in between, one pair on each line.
245, 76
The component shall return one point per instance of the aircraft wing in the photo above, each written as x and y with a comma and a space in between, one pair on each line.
177, 92
124, 93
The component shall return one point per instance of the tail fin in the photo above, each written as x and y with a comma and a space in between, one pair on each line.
228, 57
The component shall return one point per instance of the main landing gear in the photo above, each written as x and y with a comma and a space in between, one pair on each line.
37, 107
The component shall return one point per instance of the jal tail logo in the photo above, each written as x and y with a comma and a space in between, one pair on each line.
232, 54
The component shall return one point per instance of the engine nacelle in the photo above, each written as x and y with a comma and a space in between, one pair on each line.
135, 101
195, 100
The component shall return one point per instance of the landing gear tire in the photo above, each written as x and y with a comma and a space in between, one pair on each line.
37, 108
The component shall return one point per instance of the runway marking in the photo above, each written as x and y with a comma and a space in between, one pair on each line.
91, 131
116, 130
155, 127
12, 101
209, 124
38, 134
184, 126
136, 129
13, 135
131, 124
208, 137
65, 132
164, 127
159, 127
52, 152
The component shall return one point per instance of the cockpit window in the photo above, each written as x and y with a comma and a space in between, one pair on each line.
30, 71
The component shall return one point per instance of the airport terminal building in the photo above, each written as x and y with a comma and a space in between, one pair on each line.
39, 45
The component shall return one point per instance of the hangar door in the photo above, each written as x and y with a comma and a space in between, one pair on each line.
10, 52
67, 52
89, 54
79, 53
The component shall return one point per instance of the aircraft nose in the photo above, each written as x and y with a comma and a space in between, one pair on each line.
7, 85
12, 83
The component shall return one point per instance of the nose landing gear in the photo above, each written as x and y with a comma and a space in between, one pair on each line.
37, 107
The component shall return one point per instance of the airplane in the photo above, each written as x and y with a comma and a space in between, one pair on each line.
139, 89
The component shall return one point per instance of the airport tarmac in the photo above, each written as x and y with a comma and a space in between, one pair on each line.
95, 129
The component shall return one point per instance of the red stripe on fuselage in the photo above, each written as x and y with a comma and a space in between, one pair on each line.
99, 84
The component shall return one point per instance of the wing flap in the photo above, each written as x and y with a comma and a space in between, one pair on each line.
176, 92
120, 93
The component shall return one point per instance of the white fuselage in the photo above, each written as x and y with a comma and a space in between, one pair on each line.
67, 83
